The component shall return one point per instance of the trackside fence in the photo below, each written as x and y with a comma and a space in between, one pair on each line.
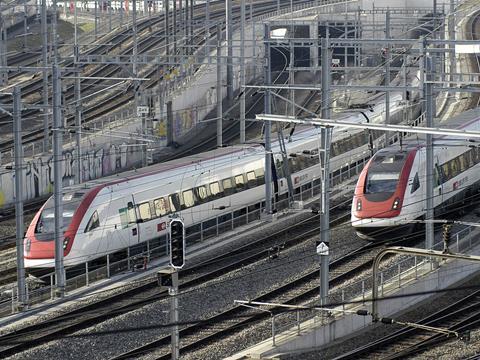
396, 272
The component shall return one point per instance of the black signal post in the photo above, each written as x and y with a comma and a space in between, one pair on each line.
177, 243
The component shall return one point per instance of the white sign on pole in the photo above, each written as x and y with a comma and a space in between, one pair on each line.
142, 110
322, 249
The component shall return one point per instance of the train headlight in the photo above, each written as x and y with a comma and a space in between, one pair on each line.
359, 205
396, 204
65, 242
28, 245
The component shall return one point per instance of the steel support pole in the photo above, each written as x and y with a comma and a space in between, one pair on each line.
57, 175
25, 17
96, 19
17, 133
78, 128
192, 6
174, 32
268, 124
121, 12
242, 71
452, 36
428, 97
167, 30
388, 59
3, 51
185, 30
219, 88
229, 38
325, 161
174, 317
45, 142
134, 35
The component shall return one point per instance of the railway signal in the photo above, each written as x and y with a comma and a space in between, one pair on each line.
177, 243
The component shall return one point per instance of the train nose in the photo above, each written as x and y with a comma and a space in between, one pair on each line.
36, 249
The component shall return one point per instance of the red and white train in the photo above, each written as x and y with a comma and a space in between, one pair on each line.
107, 215
391, 189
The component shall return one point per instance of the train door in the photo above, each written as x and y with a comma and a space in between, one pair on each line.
144, 223
128, 219
119, 232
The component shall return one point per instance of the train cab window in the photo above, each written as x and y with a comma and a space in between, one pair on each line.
260, 175
215, 190
239, 182
161, 207
188, 198
415, 183
251, 179
144, 211
174, 202
93, 223
202, 194
228, 187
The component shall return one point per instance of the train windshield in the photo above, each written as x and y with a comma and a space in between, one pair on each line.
381, 183
46, 222
384, 173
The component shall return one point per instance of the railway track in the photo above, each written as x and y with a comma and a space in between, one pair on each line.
299, 290
147, 291
459, 316
121, 98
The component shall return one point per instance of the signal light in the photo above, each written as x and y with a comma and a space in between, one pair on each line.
447, 228
177, 243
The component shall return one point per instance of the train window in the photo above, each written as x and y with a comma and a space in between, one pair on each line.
123, 217
161, 207
251, 179
415, 183
455, 167
131, 216
188, 198
144, 211
279, 169
260, 174
292, 163
239, 182
228, 187
215, 189
202, 193
446, 171
463, 163
438, 175
476, 155
93, 223
174, 202
470, 158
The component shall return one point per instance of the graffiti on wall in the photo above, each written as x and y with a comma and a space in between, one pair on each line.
38, 173
185, 120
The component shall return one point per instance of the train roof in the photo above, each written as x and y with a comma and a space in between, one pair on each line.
220, 157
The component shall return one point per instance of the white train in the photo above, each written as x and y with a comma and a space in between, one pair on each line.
391, 189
